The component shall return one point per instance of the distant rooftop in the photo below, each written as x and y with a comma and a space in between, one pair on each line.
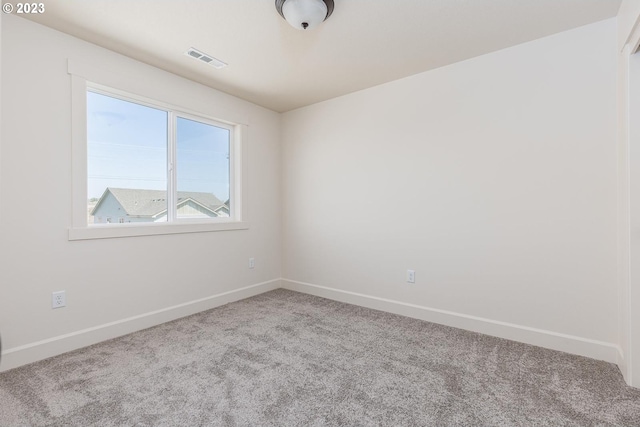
149, 203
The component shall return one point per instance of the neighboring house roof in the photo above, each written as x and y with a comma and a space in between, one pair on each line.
151, 203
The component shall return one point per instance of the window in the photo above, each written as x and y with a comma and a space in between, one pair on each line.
155, 165
143, 166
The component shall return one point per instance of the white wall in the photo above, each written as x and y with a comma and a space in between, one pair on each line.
113, 286
493, 178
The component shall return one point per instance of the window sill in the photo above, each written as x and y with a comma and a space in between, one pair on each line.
114, 231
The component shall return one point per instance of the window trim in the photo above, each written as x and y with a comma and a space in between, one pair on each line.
108, 85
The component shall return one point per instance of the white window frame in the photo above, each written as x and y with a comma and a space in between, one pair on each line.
101, 82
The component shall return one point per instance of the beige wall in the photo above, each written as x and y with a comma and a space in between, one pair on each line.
114, 285
493, 178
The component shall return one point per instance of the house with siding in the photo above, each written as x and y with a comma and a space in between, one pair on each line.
124, 205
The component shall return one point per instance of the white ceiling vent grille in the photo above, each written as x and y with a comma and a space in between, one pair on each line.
207, 59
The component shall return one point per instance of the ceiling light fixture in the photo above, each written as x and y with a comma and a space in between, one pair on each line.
304, 14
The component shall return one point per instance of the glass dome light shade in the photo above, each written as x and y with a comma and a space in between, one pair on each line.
304, 14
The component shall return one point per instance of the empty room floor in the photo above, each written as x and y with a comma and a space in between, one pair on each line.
289, 359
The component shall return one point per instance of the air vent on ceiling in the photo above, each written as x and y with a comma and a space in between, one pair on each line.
207, 59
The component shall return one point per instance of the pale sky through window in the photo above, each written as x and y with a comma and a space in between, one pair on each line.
127, 148
203, 158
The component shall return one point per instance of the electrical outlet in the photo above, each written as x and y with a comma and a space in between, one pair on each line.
411, 276
58, 299
252, 262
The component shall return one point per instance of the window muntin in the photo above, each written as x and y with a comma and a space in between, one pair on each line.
149, 164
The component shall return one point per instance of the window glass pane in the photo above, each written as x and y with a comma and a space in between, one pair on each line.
202, 170
126, 161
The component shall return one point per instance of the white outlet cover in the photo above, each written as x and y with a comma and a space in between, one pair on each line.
58, 299
411, 276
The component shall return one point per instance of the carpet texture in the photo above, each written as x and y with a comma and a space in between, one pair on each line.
288, 359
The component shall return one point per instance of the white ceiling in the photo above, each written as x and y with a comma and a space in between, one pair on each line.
363, 44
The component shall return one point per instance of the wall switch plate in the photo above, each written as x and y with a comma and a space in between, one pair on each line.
58, 299
252, 262
411, 276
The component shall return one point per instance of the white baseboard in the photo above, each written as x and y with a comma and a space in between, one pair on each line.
22, 355
622, 365
548, 339
25, 354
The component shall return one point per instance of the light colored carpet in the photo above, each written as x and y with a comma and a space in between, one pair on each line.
289, 359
